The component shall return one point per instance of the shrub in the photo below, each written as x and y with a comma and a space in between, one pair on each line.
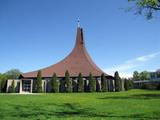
54, 83
3, 82
80, 83
158, 87
104, 83
92, 83
68, 82
39, 82
128, 84
117, 82
0, 86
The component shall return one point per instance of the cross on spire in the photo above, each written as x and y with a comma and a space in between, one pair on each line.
78, 22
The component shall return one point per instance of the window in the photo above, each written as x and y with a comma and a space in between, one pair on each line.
158, 74
152, 75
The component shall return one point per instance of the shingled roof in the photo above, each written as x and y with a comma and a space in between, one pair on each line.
78, 61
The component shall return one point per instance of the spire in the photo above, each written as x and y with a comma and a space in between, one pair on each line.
78, 61
79, 37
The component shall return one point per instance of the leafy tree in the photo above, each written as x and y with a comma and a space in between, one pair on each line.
146, 7
117, 82
80, 83
68, 82
3, 81
104, 85
13, 74
54, 83
144, 75
92, 83
136, 76
39, 82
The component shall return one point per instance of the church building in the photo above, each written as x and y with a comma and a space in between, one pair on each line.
78, 61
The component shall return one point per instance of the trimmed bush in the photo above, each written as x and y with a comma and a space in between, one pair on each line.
117, 82
39, 82
54, 83
158, 87
68, 82
128, 84
92, 83
104, 85
0, 86
80, 83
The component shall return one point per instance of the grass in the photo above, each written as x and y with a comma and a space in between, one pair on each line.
131, 105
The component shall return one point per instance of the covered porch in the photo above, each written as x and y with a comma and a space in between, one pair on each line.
26, 86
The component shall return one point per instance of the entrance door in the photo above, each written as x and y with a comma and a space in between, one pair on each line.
26, 85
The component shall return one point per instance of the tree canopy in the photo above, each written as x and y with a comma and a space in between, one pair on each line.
10, 74
144, 75
136, 76
13, 73
146, 7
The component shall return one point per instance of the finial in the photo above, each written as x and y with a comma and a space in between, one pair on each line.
78, 21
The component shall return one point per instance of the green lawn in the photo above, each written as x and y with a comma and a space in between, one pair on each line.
131, 105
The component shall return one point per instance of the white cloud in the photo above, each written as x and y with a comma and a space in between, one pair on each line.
126, 69
144, 58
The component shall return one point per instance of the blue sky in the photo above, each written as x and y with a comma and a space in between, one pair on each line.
37, 33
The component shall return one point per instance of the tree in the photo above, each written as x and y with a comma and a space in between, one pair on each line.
146, 7
136, 76
131, 83
92, 83
39, 82
3, 81
54, 83
0, 84
80, 83
13, 74
68, 82
126, 84
104, 85
144, 75
117, 82
12, 87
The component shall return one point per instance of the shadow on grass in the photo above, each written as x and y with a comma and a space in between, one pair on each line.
69, 110
138, 96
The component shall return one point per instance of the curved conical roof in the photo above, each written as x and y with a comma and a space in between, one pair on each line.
78, 61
